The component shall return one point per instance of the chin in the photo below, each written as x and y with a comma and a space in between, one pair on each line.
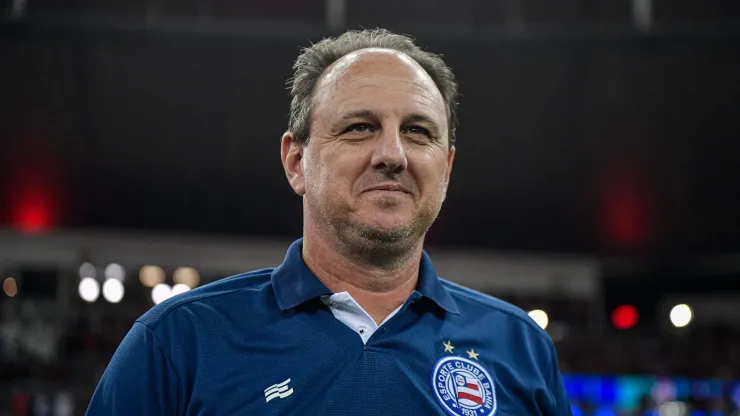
389, 221
392, 227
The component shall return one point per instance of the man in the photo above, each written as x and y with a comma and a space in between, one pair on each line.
355, 321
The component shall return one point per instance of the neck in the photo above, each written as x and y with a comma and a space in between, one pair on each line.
379, 290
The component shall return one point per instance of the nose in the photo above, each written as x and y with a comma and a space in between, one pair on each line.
390, 154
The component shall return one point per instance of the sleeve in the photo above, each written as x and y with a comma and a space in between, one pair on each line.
561, 402
139, 379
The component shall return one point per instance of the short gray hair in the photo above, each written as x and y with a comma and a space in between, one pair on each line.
314, 60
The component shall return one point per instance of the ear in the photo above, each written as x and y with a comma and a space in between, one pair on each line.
448, 172
291, 153
450, 160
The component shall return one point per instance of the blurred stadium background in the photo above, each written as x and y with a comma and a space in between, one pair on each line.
596, 182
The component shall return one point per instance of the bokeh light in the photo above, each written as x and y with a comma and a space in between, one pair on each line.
625, 317
113, 290
540, 317
89, 289
87, 270
150, 276
681, 315
187, 276
115, 271
161, 292
10, 287
179, 288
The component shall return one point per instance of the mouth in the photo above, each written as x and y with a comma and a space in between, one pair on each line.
389, 188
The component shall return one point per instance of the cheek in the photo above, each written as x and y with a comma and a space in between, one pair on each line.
329, 173
432, 175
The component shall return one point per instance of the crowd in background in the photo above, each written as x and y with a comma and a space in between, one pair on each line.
50, 363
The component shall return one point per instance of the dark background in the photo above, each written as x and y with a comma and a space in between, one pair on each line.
580, 134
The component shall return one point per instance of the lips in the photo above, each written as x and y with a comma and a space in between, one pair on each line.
390, 187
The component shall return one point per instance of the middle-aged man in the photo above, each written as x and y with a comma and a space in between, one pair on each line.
355, 321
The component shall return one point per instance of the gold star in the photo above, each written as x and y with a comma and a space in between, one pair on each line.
472, 354
448, 346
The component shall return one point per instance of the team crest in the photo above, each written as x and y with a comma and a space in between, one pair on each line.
463, 387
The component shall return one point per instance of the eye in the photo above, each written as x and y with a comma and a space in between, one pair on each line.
417, 130
360, 128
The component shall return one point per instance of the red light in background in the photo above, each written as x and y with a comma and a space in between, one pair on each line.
625, 214
625, 317
32, 199
33, 176
33, 216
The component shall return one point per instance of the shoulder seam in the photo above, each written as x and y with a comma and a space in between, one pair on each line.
210, 295
551, 373
531, 324
164, 352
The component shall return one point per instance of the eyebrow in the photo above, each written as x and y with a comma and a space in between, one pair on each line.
421, 118
359, 114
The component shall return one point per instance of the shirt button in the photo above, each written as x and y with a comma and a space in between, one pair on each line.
362, 331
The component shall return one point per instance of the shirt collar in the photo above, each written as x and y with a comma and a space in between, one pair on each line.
294, 283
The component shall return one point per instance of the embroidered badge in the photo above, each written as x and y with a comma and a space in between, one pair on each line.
463, 387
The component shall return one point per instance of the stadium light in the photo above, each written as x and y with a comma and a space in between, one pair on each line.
673, 409
161, 292
115, 271
87, 270
10, 287
151, 276
179, 288
625, 317
113, 290
89, 289
187, 276
540, 317
681, 315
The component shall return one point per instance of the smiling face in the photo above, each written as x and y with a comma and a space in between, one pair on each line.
378, 161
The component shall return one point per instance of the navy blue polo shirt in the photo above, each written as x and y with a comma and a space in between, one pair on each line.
264, 343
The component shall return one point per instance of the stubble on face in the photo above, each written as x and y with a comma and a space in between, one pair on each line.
328, 190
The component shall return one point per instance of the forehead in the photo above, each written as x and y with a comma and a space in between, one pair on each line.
373, 75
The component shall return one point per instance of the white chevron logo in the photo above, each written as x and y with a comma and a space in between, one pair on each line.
281, 390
